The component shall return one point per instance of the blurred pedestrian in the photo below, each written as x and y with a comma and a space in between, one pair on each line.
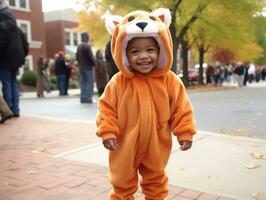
41, 67
86, 62
239, 71
217, 74
209, 74
68, 72
251, 72
111, 66
60, 72
263, 74
257, 73
100, 72
13, 50
5, 112
245, 74
47, 74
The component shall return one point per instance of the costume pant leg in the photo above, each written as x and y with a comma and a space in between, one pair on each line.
126, 190
123, 175
154, 183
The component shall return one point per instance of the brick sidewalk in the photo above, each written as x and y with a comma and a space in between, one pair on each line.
29, 170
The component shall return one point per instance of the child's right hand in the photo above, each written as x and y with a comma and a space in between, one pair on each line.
110, 144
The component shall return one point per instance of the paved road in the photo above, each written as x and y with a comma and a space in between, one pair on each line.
239, 111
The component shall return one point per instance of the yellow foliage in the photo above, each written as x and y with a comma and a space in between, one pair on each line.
93, 24
249, 52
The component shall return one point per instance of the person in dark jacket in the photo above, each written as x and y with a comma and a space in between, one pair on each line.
60, 72
111, 66
100, 72
86, 63
13, 50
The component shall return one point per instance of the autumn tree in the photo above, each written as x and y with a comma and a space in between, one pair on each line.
185, 14
225, 28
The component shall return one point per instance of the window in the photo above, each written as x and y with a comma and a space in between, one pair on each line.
19, 4
22, 4
12, 2
26, 28
72, 38
67, 38
75, 38
27, 66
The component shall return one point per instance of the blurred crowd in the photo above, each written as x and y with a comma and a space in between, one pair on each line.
235, 73
87, 69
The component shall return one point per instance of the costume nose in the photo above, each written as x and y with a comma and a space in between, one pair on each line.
142, 25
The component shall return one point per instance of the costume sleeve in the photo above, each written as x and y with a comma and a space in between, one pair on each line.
106, 120
182, 120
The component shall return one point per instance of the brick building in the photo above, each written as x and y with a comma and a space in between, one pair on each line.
46, 32
30, 18
60, 32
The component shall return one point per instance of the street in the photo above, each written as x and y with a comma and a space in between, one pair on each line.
236, 111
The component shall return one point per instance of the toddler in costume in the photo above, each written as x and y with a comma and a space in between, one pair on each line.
142, 105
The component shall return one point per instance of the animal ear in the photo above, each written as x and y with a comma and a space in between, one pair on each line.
111, 21
164, 14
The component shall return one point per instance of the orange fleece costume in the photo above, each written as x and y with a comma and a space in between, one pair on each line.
141, 110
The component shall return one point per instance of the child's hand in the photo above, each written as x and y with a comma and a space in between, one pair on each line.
185, 145
110, 144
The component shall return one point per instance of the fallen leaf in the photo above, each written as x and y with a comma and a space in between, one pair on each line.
252, 166
178, 169
32, 172
255, 195
257, 155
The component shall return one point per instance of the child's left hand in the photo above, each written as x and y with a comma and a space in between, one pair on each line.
185, 145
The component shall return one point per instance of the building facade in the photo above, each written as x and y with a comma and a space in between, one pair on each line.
46, 32
30, 18
60, 32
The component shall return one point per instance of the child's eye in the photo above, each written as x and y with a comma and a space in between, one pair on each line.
151, 50
134, 51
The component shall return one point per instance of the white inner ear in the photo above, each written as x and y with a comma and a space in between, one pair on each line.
166, 13
162, 56
111, 21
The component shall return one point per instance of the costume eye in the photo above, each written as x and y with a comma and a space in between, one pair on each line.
131, 18
152, 18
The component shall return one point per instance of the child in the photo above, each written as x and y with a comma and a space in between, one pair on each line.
142, 105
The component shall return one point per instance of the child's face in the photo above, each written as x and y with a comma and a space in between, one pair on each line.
142, 54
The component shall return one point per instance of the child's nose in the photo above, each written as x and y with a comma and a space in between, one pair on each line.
143, 55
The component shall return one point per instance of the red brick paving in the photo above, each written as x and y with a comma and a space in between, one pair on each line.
29, 170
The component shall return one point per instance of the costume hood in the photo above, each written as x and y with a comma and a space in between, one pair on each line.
141, 24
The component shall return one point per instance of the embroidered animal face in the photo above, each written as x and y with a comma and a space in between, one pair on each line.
140, 24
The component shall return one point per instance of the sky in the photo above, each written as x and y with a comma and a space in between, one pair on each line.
50, 5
